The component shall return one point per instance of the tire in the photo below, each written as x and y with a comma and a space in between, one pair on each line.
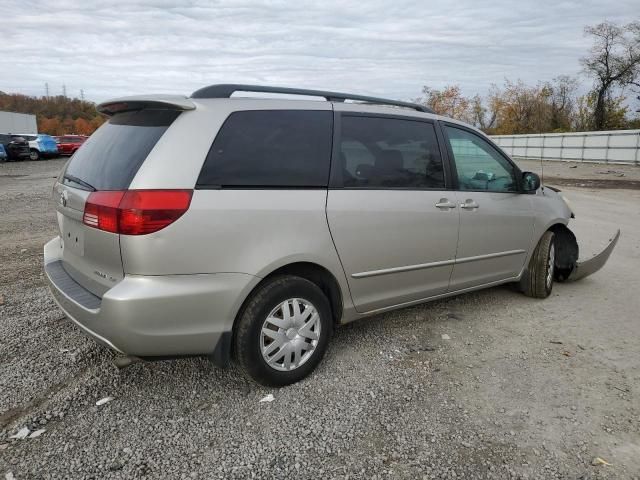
538, 281
288, 341
34, 155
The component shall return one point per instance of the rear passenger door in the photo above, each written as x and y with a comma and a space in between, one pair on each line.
394, 224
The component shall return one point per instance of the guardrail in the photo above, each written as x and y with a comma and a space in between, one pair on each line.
616, 146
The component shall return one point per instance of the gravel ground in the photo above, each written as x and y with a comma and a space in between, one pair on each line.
516, 388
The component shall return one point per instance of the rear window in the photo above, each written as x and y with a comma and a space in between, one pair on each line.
111, 157
270, 148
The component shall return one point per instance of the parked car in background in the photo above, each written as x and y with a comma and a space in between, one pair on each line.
223, 226
68, 144
17, 147
3, 153
41, 146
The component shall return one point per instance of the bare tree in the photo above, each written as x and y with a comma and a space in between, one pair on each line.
562, 102
614, 61
479, 113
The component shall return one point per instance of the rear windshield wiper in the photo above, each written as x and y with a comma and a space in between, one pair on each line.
80, 182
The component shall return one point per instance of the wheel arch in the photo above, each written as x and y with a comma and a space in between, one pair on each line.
559, 227
315, 273
567, 250
311, 271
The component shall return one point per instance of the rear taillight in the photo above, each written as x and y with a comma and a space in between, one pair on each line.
135, 212
101, 210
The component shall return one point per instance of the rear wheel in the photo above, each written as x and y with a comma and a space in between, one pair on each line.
283, 331
34, 154
538, 282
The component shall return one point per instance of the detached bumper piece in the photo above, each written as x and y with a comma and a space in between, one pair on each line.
588, 267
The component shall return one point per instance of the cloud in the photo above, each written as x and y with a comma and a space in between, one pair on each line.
387, 48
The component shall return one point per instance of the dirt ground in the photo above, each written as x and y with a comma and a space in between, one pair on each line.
516, 388
585, 175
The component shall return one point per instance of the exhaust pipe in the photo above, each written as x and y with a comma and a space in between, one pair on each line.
125, 360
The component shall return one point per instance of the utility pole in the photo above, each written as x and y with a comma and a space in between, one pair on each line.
64, 90
46, 89
82, 95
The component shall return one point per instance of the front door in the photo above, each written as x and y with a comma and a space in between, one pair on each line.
496, 221
394, 225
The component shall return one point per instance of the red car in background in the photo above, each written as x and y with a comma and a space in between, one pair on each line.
68, 144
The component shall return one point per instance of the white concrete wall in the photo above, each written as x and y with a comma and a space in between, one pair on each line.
615, 146
17, 123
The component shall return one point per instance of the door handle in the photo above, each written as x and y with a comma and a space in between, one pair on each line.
469, 205
445, 204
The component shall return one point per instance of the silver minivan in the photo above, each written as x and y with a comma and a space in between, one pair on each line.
249, 228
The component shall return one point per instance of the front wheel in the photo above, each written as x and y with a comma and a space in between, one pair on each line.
34, 154
283, 331
538, 281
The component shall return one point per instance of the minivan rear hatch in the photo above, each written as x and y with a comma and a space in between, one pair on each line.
107, 162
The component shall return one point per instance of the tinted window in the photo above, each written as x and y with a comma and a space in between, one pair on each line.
387, 152
110, 158
479, 165
275, 148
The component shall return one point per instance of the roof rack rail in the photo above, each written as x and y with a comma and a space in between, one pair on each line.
228, 89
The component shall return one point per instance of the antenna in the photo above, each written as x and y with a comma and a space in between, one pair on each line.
542, 165
64, 90
82, 94
46, 89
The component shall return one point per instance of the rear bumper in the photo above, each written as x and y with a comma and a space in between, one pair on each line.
154, 316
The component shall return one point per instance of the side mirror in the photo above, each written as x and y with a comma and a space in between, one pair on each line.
530, 182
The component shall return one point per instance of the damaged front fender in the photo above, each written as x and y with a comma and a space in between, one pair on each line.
584, 269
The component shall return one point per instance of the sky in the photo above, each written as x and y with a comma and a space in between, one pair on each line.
387, 48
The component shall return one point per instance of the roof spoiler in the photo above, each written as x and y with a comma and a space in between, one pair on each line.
138, 102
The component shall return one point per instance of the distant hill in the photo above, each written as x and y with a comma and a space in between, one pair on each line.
55, 115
